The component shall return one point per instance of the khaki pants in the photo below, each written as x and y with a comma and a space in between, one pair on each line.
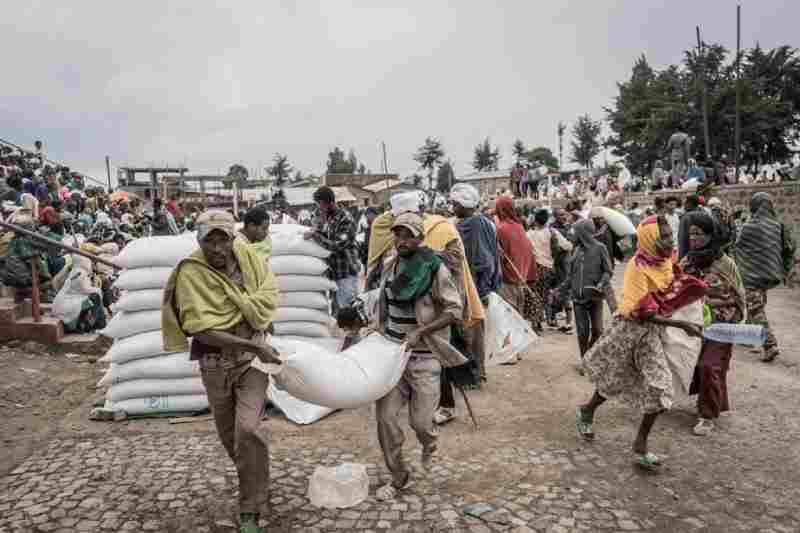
419, 388
236, 394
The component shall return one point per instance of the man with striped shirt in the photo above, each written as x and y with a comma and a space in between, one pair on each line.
418, 302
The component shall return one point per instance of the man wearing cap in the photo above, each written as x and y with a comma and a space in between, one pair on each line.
418, 302
224, 298
336, 231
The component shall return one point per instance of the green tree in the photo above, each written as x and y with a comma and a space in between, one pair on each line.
236, 174
445, 177
542, 155
429, 156
586, 140
519, 150
280, 169
338, 163
486, 157
352, 160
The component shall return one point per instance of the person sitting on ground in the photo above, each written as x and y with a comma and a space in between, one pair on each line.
418, 304
224, 297
725, 299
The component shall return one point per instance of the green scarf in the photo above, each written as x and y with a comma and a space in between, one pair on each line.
415, 275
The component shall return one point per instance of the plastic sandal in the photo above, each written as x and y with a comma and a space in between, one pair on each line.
649, 461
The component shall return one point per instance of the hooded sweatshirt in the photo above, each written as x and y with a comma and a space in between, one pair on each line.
590, 265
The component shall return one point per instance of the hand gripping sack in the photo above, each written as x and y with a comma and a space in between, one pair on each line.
125, 324
143, 278
166, 251
304, 265
143, 388
176, 365
507, 333
295, 283
300, 314
144, 300
358, 376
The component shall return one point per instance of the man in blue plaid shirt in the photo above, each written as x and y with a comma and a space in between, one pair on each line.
336, 231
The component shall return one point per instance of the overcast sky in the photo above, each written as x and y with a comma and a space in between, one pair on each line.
195, 83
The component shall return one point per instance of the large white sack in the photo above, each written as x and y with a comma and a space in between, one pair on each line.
301, 314
358, 376
297, 411
143, 388
144, 300
295, 283
301, 329
288, 243
148, 344
176, 365
155, 405
137, 279
124, 324
331, 344
309, 300
166, 251
305, 265
507, 333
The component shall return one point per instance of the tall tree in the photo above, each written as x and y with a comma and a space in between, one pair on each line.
445, 177
586, 140
352, 161
280, 169
519, 150
486, 157
543, 156
338, 163
429, 156
236, 174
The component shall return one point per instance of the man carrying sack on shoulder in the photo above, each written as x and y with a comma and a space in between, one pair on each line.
224, 297
418, 302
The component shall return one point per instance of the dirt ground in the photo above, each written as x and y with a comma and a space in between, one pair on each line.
751, 462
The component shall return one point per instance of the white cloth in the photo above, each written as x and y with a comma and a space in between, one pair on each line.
540, 238
406, 202
465, 195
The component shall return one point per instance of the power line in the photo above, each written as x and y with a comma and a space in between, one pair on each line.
56, 163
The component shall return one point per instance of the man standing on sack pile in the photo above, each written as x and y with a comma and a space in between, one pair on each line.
418, 302
335, 230
224, 296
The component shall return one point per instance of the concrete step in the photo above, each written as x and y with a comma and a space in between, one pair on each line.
49, 331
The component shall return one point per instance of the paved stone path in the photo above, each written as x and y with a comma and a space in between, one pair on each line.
185, 482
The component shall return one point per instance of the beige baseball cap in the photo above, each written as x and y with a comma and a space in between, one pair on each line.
215, 219
412, 222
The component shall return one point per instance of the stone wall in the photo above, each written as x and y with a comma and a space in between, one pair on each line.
786, 197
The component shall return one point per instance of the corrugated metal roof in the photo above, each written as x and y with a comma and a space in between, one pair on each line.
486, 175
382, 185
305, 195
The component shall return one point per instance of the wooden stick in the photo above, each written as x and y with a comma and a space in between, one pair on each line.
190, 419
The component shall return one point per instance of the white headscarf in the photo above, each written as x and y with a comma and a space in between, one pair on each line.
405, 202
465, 195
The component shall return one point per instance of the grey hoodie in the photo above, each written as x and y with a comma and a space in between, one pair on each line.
590, 265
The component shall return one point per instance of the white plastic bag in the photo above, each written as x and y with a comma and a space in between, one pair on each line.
304, 265
166, 251
309, 300
297, 411
153, 405
143, 388
300, 314
301, 329
125, 324
342, 486
294, 283
358, 376
682, 349
68, 304
144, 300
143, 278
507, 333
139, 346
176, 365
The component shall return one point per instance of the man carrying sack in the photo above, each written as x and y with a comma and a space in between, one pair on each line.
224, 296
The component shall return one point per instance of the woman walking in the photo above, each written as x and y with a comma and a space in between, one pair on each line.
638, 360
725, 298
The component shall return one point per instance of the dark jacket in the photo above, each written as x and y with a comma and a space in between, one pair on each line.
590, 265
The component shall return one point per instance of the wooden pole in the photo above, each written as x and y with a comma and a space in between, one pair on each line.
35, 296
702, 77
50, 242
108, 172
738, 134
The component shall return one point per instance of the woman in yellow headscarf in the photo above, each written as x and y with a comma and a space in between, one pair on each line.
636, 360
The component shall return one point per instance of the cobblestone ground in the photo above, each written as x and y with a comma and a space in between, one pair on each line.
151, 482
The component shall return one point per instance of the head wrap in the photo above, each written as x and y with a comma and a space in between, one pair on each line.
405, 202
465, 195
761, 205
584, 231
505, 209
712, 248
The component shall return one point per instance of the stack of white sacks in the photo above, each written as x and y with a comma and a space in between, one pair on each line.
144, 379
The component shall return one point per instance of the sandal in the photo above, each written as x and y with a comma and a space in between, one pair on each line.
649, 462
584, 425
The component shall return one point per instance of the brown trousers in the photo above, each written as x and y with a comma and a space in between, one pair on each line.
236, 394
419, 388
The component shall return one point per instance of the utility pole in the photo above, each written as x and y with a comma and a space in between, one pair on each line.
108, 172
738, 133
701, 59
